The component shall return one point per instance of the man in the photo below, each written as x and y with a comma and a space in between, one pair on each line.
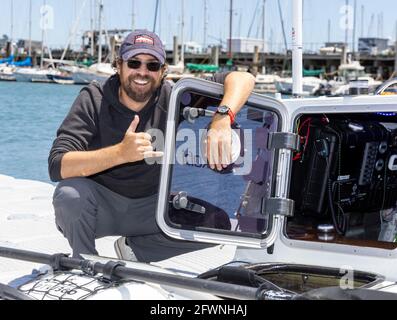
107, 188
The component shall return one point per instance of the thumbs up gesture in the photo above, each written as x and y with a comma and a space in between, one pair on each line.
137, 146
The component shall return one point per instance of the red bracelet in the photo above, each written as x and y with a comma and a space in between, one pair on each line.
232, 116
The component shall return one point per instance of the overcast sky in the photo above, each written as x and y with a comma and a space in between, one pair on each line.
118, 14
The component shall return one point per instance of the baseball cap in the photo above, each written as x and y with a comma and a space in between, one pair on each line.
142, 42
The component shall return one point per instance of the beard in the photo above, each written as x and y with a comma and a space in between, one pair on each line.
139, 93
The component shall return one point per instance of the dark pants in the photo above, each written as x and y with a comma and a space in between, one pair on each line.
86, 210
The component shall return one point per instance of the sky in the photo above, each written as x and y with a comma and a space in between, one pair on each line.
118, 14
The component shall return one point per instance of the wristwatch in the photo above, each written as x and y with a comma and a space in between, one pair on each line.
225, 110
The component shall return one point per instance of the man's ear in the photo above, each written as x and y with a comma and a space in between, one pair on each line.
117, 64
165, 71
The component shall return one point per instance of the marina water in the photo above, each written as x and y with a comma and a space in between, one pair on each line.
30, 115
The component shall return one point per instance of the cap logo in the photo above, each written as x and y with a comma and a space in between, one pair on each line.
144, 39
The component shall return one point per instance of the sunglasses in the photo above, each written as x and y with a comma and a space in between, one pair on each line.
152, 66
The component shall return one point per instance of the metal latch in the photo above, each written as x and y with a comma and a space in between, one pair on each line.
284, 140
278, 206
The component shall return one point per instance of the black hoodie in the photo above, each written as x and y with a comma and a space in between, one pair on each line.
98, 120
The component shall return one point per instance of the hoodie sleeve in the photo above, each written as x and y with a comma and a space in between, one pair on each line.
74, 134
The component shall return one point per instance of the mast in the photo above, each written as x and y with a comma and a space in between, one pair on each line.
155, 15
205, 24
30, 28
263, 25
92, 49
42, 37
12, 26
329, 31
133, 16
354, 26
362, 21
74, 30
231, 30
371, 24
297, 47
253, 19
395, 53
283, 27
347, 25
182, 31
240, 23
100, 31
191, 27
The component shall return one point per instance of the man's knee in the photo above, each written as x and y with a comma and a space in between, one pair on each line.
71, 190
70, 196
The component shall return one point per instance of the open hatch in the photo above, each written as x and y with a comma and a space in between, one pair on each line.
231, 206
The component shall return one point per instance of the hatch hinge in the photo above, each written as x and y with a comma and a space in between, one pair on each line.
284, 140
278, 206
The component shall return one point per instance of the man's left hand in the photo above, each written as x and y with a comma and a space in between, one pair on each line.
219, 143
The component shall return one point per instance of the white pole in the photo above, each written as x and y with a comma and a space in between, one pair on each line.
297, 48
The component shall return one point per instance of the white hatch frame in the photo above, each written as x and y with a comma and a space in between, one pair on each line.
214, 89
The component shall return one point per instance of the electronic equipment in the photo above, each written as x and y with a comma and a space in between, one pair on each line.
353, 162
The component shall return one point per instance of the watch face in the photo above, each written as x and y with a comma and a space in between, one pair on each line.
223, 109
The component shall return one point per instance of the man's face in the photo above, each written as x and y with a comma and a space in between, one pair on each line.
140, 83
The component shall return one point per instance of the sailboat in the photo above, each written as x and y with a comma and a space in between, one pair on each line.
99, 72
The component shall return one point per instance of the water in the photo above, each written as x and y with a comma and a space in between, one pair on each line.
30, 115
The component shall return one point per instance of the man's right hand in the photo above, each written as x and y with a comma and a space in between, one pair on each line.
137, 146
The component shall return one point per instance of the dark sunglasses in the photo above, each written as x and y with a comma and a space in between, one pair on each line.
152, 66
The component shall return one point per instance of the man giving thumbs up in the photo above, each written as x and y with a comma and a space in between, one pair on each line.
106, 188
